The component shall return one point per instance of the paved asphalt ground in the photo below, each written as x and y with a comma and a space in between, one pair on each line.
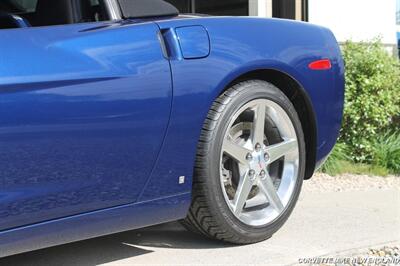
323, 224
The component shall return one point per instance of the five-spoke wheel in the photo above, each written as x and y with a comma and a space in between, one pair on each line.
254, 194
250, 165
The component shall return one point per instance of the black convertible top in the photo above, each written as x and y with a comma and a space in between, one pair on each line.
146, 8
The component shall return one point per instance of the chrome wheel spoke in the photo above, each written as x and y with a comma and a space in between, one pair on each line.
242, 193
267, 187
279, 150
259, 124
235, 151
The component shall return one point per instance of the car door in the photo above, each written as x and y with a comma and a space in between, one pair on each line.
83, 113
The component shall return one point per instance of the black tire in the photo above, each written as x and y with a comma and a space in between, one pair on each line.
209, 214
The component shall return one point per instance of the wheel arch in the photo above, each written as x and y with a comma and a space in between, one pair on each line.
301, 101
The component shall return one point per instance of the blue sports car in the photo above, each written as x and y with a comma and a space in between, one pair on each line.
120, 114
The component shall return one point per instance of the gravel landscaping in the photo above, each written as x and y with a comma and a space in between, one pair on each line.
383, 256
348, 182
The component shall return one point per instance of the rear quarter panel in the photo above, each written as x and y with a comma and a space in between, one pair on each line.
239, 46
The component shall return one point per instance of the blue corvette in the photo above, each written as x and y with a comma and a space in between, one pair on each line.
120, 114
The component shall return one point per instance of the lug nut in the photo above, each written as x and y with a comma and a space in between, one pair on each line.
249, 157
266, 157
262, 174
258, 147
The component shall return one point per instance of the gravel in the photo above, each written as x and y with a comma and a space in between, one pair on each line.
392, 254
383, 256
348, 182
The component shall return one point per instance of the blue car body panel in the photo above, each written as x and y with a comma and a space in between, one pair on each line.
82, 118
99, 120
194, 41
239, 46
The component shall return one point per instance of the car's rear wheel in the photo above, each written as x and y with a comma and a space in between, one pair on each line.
249, 167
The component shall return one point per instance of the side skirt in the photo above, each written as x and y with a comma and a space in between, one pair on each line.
93, 224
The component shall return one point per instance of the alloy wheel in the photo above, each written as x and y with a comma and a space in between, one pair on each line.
259, 162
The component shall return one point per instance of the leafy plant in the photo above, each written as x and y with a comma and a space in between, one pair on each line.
372, 96
386, 151
334, 165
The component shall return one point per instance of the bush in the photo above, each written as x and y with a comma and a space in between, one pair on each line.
386, 151
372, 96
334, 165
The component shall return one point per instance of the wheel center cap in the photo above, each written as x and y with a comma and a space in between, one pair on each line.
258, 163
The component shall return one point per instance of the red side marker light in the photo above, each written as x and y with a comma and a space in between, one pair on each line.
323, 64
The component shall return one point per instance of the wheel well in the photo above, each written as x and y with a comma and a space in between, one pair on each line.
295, 92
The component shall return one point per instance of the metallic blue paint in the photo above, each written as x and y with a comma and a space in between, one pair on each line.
82, 118
198, 82
99, 120
194, 41
97, 223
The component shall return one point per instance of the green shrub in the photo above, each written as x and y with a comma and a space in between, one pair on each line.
386, 151
334, 165
372, 96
